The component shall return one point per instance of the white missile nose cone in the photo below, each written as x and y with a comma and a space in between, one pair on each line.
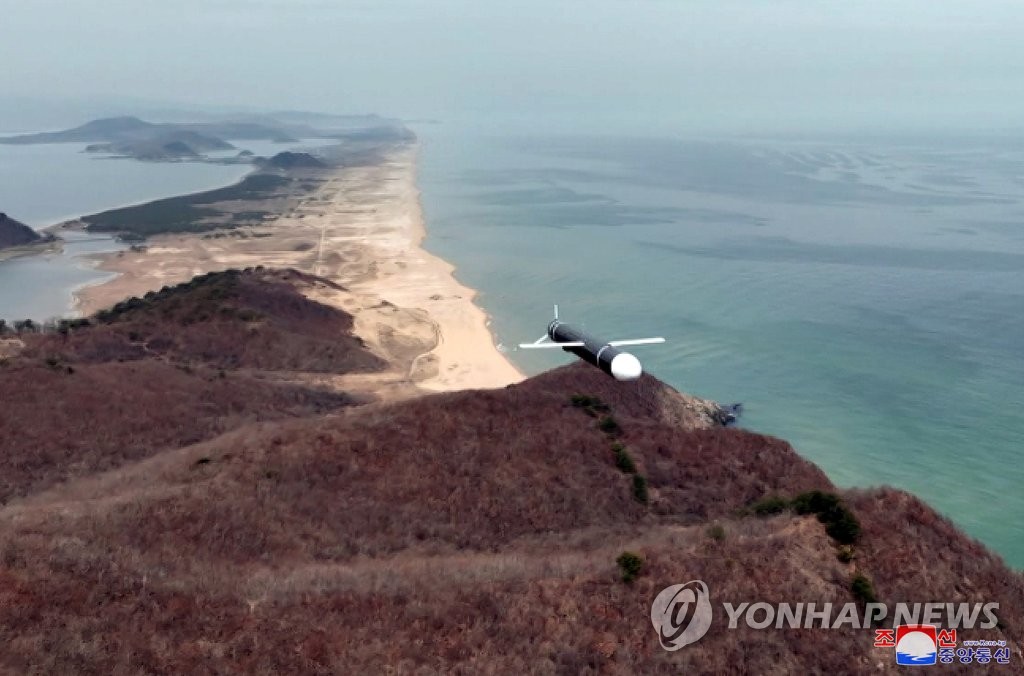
626, 367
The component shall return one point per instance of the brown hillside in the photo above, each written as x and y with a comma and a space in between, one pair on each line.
55, 424
469, 532
167, 371
390, 477
253, 319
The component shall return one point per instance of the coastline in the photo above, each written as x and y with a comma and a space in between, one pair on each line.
363, 229
73, 222
82, 185
34, 249
466, 355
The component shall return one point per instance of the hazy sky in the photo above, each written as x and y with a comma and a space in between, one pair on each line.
741, 65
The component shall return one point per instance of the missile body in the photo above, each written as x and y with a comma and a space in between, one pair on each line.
613, 361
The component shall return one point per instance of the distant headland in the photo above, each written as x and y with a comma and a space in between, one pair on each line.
129, 136
247, 202
18, 239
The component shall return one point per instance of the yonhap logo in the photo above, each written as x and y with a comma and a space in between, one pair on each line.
681, 614
922, 633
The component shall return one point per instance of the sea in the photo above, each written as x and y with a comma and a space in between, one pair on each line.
42, 185
862, 297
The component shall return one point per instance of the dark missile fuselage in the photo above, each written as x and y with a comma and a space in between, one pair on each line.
613, 361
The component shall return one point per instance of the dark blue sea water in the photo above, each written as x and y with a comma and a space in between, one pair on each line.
863, 298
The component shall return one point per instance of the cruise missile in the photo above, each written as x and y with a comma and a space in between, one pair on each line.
604, 355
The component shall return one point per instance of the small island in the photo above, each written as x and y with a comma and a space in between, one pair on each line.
284, 177
131, 137
18, 239
166, 141
163, 146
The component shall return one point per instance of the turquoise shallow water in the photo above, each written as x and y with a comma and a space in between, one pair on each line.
862, 299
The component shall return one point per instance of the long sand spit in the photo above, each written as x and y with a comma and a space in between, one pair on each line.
362, 228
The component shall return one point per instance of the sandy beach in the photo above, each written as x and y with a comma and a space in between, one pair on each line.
363, 229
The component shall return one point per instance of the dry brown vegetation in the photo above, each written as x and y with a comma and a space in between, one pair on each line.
470, 532
234, 319
181, 366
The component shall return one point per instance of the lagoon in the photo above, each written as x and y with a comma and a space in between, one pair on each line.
42, 185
